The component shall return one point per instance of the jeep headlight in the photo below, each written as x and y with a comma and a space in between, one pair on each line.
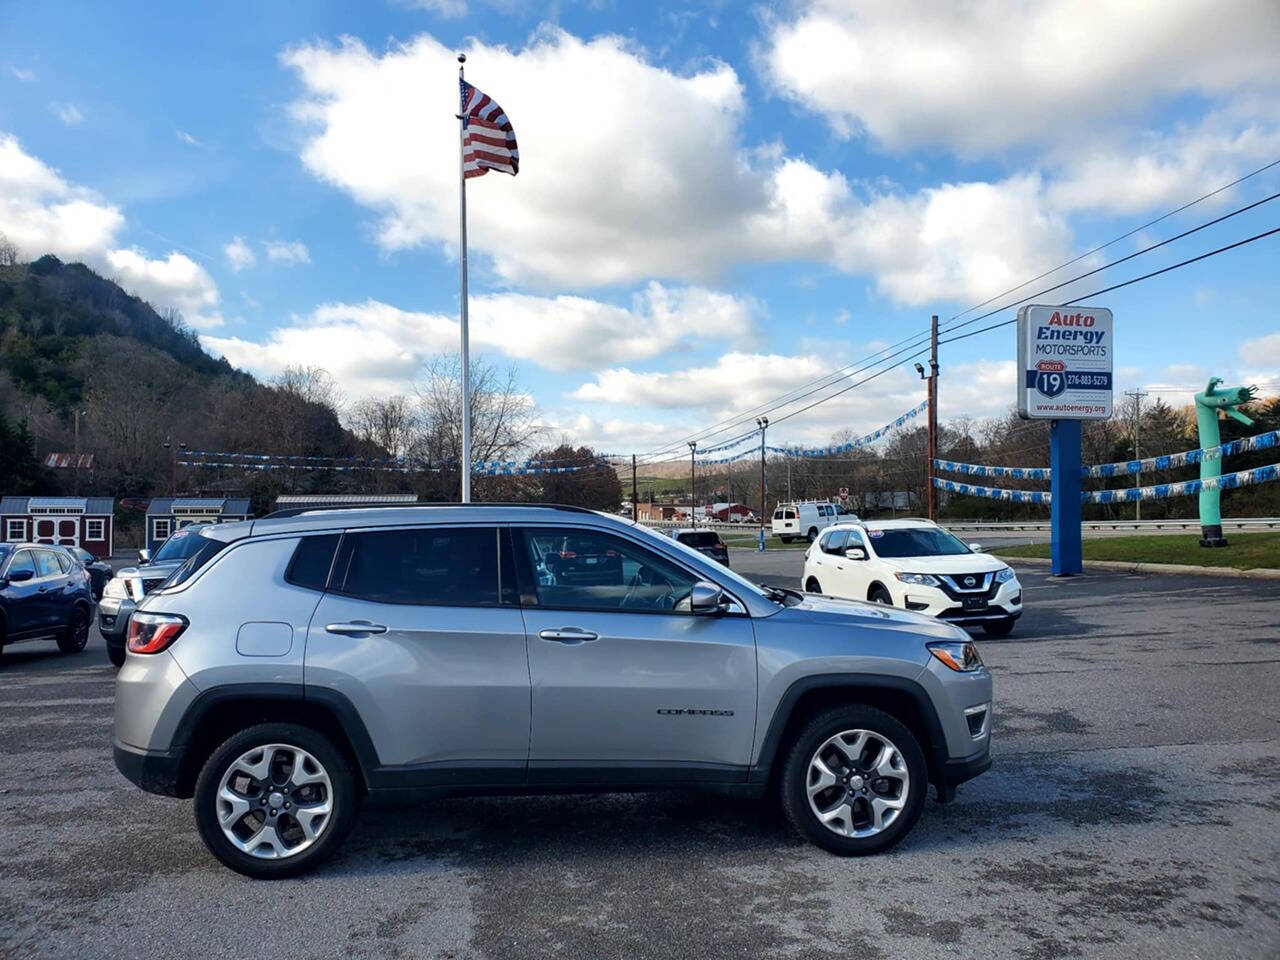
917, 579
959, 655
1004, 575
115, 589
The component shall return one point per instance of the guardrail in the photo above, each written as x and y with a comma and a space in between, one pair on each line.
1191, 525
1108, 526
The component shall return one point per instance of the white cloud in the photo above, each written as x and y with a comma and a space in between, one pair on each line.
23, 74
176, 281
375, 348
239, 254
68, 113
290, 253
737, 384
42, 213
187, 138
985, 75
449, 9
1262, 351
661, 186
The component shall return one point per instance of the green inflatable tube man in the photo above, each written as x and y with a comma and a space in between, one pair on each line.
1208, 404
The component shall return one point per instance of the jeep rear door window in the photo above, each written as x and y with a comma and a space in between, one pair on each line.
590, 570
449, 566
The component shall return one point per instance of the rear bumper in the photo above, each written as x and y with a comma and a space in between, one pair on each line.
153, 771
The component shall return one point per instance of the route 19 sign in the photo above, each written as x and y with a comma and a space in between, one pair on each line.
1064, 363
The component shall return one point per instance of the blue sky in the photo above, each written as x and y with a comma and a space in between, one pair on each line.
717, 201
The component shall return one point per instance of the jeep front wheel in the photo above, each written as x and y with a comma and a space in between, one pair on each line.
275, 800
854, 781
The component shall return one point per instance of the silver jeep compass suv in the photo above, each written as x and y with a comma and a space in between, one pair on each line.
300, 661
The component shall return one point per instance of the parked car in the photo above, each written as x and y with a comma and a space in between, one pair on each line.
121, 594
99, 570
803, 519
298, 661
704, 541
916, 565
43, 593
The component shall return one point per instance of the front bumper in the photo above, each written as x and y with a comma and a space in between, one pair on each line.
113, 618
1003, 604
953, 772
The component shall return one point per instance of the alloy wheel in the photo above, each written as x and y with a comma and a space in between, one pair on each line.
274, 801
857, 783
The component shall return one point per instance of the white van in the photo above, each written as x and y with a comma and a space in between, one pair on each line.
803, 520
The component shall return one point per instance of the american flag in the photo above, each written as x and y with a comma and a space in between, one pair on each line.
488, 140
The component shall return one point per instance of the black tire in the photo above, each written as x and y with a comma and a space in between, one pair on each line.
115, 653
813, 534
345, 798
75, 634
813, 586
998, 628
785, 539
879, 594
795, 771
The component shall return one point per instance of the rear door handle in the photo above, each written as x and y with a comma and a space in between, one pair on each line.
568, 635
356, 628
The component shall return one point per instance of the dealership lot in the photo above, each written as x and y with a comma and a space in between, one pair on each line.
1133, 810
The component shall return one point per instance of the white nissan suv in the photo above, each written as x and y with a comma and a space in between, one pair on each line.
916, 565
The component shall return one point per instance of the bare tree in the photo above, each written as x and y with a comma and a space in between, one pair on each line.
8, 251
388, 423
503, 423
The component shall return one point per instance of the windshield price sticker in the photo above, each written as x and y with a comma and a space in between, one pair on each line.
1065, 358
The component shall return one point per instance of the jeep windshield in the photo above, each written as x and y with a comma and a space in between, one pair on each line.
181, 545
891, 544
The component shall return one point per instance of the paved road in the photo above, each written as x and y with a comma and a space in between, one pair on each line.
1133, 811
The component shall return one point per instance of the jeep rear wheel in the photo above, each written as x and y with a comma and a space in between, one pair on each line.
854, 781
75, 634
275, 800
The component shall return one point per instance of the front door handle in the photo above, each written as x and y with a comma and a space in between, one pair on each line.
568, 635
356, 628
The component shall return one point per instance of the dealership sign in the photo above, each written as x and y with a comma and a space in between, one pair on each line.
1065, 363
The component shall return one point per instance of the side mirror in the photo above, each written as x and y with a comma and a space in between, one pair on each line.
856, 553
144, 555
706, 598
20, 576
975, 547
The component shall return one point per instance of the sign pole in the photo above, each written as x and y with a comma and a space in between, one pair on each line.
933, 418
462, 297
1066, 510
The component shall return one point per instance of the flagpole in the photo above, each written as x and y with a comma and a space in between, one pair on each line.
462, 296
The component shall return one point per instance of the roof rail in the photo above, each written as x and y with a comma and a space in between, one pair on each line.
329, 507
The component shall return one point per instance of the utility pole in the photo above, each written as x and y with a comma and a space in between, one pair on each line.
1138, 396
693, 483
763, 424
173, 465
76, 486
635, 499
933, 416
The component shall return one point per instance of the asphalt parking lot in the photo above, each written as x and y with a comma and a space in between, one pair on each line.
1133, 811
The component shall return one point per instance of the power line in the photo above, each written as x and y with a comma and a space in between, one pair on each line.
1116, 263
1126, 283
827, 380
1123, 236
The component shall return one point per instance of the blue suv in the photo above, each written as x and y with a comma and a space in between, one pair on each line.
44, 593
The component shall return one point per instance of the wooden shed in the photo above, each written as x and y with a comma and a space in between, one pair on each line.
66, 521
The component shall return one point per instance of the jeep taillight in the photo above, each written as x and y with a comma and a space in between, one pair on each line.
153, 632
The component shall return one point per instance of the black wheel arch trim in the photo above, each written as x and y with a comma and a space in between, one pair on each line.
935, 750
342, 710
